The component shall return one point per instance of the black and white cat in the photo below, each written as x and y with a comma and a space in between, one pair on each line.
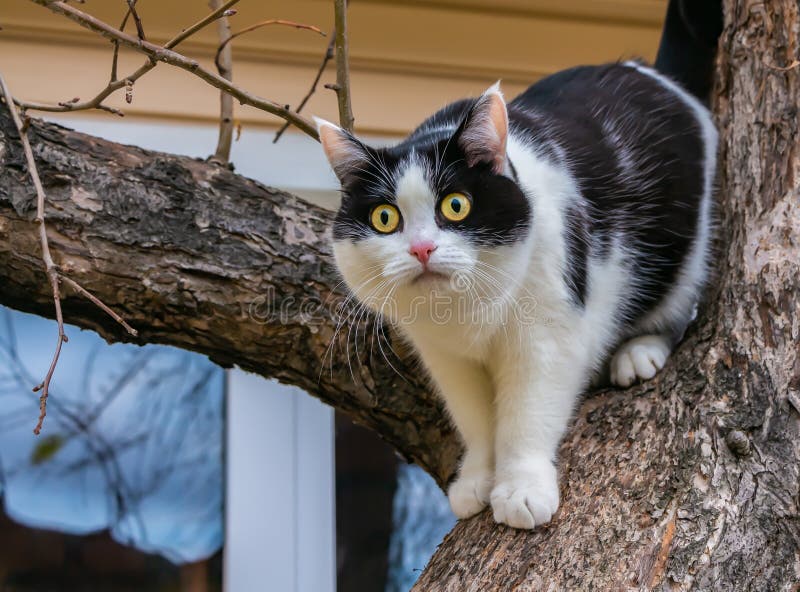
518, 246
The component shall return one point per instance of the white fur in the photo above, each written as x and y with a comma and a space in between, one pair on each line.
639, 358
510, 381
509, 387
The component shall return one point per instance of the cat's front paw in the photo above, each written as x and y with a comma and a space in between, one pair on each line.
469, 494
639, 359
527, 498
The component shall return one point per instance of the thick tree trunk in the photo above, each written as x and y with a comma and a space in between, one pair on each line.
690, 481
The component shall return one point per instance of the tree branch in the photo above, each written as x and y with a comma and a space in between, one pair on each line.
49, 266
689, 481
116, 84
164, 54
197, 257
342, 87
266, 23
327, 57
115, 53
52, 271
136, 20
224, 62
224, 10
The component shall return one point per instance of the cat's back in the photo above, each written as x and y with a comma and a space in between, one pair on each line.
642, 152
581, 86
602, 113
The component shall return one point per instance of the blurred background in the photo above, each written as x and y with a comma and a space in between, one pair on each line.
157, 470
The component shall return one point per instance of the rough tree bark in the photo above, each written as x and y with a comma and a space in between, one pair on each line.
197, 257
690, 481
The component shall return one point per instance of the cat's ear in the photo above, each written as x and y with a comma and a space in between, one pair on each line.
345, 153
483, 134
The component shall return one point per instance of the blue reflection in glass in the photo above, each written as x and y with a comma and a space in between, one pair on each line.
132, 441
421, 517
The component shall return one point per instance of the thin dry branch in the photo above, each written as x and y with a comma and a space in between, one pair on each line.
115, 84
342, 87
265, 23
159, 53
51, 269
99, 303
324, 64
224, 62
222, 11
137, 21
49, 265
139, 30
115, 53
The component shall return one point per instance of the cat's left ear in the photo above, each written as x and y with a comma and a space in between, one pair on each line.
345, 153
484, 133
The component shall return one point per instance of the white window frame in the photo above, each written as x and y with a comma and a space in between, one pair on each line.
280, 515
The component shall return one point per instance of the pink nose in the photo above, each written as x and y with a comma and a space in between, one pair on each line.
422, 250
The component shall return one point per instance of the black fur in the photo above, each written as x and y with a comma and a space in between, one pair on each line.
689, 44
654, 211
633, 147
500, 211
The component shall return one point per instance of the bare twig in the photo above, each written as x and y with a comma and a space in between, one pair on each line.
163, 54
99, 303
342, 66
325, 59
224, 62
224, 10
49, 265
266, 23
115, 84
115, 53
136, 20
139, 30
53, 274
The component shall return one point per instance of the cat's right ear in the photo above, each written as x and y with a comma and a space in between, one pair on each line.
484, 132
345, 153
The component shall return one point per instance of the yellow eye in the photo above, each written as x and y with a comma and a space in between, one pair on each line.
455, 207
385, 218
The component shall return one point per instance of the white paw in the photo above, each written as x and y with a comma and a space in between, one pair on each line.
469, 494
528, 498
639, 359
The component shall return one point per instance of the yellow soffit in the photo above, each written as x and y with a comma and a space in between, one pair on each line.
407, 56
646, 12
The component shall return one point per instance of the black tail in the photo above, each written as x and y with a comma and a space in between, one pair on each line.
689, 44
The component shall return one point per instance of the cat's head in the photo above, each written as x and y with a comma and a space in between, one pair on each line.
438, 213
